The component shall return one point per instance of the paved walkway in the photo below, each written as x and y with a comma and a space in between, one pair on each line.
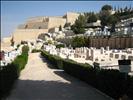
40, 82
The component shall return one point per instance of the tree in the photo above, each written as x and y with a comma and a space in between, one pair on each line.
104, 18
25, 49
50, 42
126, 9
121, 10
124, 13
106, 7
12, 41
60, 46
79, 41
86, 15
78, 27
115, 8
92, 18
67, 25
112, 20
104, 15
60, 28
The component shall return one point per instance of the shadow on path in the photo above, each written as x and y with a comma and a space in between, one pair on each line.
74, 81
53, 90
47, 62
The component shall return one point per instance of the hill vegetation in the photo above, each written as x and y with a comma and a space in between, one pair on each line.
105, 15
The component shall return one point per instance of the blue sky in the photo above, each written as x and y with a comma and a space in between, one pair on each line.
14, 13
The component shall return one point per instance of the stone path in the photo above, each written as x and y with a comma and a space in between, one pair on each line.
40, 82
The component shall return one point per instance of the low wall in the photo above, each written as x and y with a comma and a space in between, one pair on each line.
112, 42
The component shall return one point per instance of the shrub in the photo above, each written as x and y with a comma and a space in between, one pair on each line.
79, 41
60, 46
84, 72
23, 42
8, 76
54, 60
112, 82
25, 49
21, 61
60, 28
11, 72
18, 45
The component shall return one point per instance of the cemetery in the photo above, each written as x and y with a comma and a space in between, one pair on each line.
106, 58
101, 79
94, 47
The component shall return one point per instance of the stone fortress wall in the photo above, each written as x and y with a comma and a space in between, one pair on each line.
38, 25
36, 19
112, 42
71, 17
56, 22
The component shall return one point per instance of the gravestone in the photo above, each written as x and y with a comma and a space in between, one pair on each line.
124, 66
107, 48
102, 50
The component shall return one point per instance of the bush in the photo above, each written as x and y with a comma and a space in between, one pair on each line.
11, 72
18, 45
21, 61
23, 42
79, 41
60, 46
8, 76
60, 28
111, 82
35, 50
54, 60
82, 71
25, 49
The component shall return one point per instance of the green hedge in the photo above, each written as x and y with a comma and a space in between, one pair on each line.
54, 60
35, 50
25, 49
60, 46
11, 72
21, 61
111, 82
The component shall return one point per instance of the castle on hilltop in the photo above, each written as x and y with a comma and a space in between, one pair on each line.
35, 26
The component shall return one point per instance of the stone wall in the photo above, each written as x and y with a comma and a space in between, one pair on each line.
71, 17
27, 34
56, 22
37, 25
36, 19
112, 42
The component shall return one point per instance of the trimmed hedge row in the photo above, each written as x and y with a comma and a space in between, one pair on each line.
10, 73
111, 82
54, 60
